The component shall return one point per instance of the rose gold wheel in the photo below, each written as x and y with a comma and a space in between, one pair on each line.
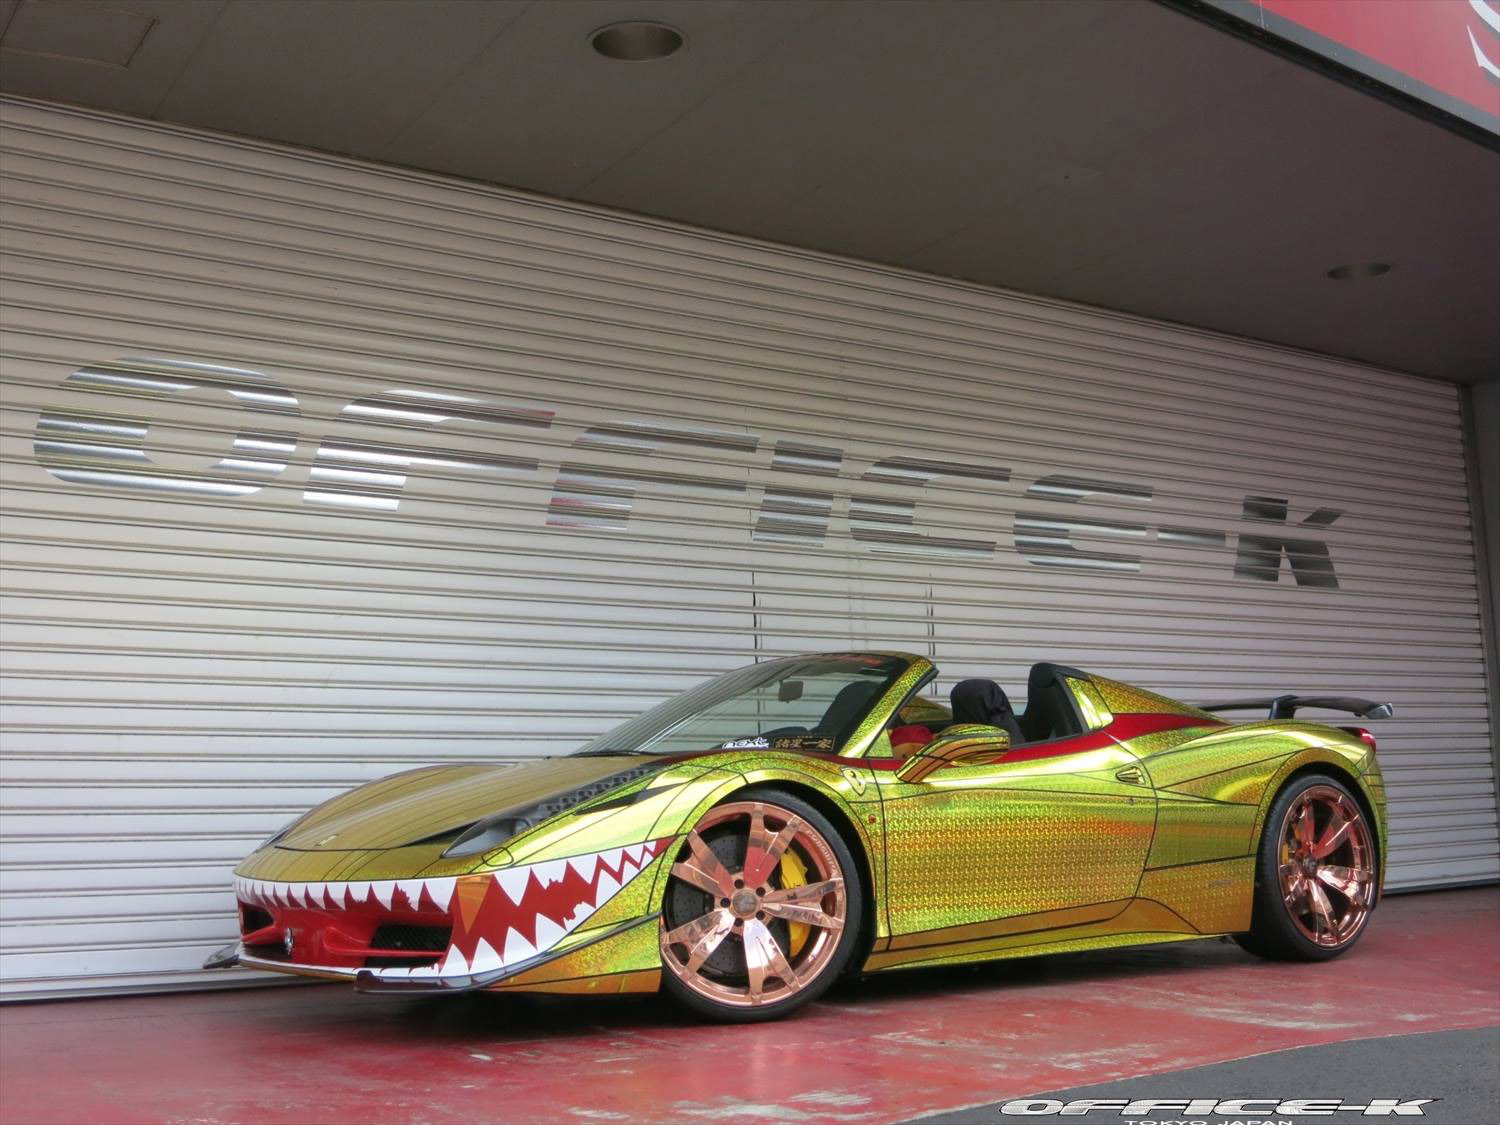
1326, 866
756, 906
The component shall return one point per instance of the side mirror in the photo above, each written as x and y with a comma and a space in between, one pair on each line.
970, 744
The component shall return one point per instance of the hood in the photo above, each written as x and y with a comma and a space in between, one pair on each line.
439, 800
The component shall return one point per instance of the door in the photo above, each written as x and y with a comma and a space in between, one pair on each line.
1053, 835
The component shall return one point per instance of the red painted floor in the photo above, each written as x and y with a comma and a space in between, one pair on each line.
886, 1049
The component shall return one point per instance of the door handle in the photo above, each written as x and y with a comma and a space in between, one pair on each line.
1131, 775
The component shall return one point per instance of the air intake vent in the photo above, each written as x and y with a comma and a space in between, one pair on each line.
413, 939
253, 918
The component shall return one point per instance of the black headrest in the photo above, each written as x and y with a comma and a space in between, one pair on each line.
1044, 675
1050, 711
847, 706
980, 701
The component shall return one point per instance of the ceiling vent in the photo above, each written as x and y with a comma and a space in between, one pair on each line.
636, 41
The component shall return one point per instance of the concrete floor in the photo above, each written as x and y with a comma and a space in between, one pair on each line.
889, 1048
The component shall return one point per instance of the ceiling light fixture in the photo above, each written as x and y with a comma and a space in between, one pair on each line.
636, 41
1359, 271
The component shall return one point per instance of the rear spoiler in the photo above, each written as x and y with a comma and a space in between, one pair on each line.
1287, 706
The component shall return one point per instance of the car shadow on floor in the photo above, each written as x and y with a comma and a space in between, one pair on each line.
498, 1019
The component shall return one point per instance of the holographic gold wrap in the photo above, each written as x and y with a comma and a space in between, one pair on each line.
629, 961
1096, 713
970, 845
1142, 828
1125, 699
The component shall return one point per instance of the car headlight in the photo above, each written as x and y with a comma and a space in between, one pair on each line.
282, 831
487, 835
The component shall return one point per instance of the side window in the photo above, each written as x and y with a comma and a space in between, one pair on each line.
913, 725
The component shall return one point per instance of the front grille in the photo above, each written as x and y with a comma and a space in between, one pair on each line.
415, 939
253, 918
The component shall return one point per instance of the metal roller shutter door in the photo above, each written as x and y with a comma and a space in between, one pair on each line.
316, 470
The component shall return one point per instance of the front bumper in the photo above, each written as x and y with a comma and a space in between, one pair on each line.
390, 980
436, 934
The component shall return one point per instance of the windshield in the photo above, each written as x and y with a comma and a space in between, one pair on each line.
797, 703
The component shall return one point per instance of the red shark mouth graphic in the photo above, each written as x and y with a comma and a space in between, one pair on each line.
510, 916
500, 918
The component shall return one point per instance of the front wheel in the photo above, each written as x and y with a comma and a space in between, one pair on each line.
762, 909
1316, 874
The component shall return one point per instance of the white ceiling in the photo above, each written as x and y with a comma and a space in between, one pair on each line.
1115, 152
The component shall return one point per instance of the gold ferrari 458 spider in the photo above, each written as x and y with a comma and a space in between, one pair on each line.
743, 844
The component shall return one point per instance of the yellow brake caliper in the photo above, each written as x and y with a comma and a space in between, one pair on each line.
794, 874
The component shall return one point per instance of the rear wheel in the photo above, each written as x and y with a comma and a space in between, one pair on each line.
762, 909
1316, 873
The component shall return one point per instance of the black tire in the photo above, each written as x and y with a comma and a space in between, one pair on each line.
831, 968
1278, 931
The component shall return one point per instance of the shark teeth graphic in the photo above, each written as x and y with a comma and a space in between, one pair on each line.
517, 949
440, 891
522, 912
514, 881
525, 911
485, 958
411, 891
415, 894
